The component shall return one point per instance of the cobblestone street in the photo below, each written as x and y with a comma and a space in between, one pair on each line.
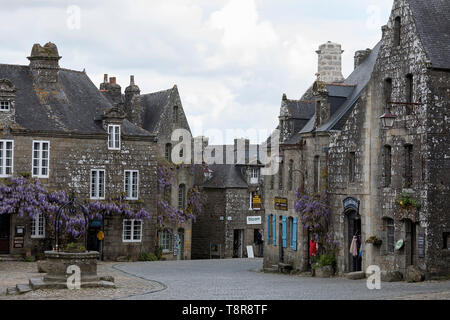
216, 279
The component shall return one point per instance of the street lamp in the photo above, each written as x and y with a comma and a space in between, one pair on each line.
387, 119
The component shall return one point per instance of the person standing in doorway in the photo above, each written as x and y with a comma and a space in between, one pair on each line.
260, 243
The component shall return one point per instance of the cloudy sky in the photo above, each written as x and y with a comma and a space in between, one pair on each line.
231, 59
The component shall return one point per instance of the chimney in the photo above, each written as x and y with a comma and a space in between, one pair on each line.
133, 108
361, 56
44, 65
241, 151
330, 62
111, 90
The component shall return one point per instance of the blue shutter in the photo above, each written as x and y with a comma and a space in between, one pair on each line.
268, 229
274, 233
284, 234
294, 234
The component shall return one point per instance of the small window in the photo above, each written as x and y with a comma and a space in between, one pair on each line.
390, 230
175, 114
114, 137
446, 236
6, 157
131, 184
281, 176
351, 166
98, 184
132, 230
408, 165
387, 166
38, 226
165, 240
41, 155
397, 31
291, 174
388, 90
254, 176
181, 196
168, 152
5, 106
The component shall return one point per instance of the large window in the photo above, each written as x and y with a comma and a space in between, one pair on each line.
38, 226
4, 106
6, 157
131, 184
165, 240
98, 184
114, 137
181, 196
132, 230
41, 156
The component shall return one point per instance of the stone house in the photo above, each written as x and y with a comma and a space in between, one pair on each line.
56, 125
161, 113
306, 126
371, 165
233, 213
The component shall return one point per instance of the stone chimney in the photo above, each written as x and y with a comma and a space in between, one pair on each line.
133, 108
360, 56
330, 62
111, 90
241, 151
322, 105
44, 65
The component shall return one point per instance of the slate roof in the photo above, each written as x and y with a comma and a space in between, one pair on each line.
153, 105
72, 107
432, 19
299, 109
225, 176
357, 80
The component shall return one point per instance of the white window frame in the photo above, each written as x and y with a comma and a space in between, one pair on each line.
254, 176
129, 188
40, 159
163, 240
133, 226
5, 105
114, 133
38, 229
3, 158
97, 184
182, 200
251, 201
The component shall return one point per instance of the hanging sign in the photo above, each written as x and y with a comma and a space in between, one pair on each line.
399, 244
100, 235
281, 204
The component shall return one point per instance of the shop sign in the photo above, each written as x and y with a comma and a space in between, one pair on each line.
18, 242
281, 204
254, 220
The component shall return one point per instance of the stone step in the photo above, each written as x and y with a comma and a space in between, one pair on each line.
271, 270
39, 283
358, 275
10, 257
12, 291
23, 288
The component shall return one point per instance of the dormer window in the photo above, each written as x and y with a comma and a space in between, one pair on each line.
254, 177
114, 137
4, 106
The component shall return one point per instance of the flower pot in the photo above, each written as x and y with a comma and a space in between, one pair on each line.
324, 272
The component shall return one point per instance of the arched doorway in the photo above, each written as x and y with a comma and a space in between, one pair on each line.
354, 234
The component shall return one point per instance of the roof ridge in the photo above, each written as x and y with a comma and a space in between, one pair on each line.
156, 92
14, 65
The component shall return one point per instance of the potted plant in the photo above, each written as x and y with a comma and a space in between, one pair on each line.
325, 267
374, 240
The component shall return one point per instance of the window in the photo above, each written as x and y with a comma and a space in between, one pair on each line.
165, 240
4, 105
175, 114
181, 196
255, 201
351, 167
6, 157
38, 226
316, 174
132, 230
254, 176
446, 236
272, 181
290, 174
114, 137
389, 228
397, 31
97, 184
408, 165
131, 184
409, 88
387, 165
280, 176
388, 90
169, 152
41, 155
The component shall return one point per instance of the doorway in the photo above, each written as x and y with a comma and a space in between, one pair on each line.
238, 240
354, 230
280, 241
410, 237
93, 243
5, 230
180, 253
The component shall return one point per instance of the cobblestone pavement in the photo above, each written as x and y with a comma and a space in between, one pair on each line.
12, 273
215, 279
240, 279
